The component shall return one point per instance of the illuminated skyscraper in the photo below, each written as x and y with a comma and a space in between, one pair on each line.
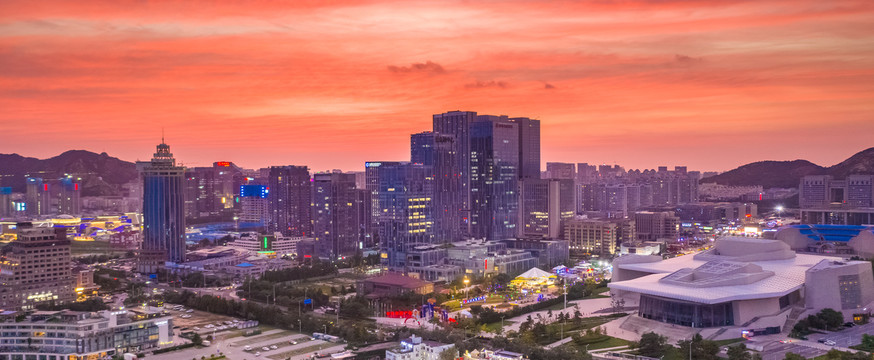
457, 124
163, 211
405, 208
290, 200
439, 152
494, 159
336, 207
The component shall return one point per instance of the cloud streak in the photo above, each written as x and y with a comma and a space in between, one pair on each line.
333, 84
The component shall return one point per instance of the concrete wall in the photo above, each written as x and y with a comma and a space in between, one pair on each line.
823, 289
746, 310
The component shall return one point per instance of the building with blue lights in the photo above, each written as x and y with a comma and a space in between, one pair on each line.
829, 239
494, 177
163, 211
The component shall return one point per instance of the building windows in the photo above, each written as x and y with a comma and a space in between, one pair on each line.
851, 294
685, 313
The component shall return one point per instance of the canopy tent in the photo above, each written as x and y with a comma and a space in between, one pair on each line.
533, 277
535, 273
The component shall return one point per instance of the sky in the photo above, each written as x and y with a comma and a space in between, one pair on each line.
711, 84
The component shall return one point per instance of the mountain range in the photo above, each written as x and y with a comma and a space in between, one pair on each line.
101, 174
787, 174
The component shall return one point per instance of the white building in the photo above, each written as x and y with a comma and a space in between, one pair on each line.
740, 281
276, 244
62, 335
415, 348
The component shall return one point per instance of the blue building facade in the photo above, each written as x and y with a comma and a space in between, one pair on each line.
163, 211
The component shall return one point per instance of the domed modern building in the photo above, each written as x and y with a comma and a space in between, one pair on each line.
741, 282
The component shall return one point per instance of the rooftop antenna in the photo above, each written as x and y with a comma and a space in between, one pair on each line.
162, 135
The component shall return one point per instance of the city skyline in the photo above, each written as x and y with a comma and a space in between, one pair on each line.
708, 85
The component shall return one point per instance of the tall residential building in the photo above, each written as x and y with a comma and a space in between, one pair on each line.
36, 269
651, 226
68, 197
494, 159
405, 207
38, 197
544, 204
439, 152
290, 200
7, 206
336, 230
254, 204
163, 211
457, 124
211, 191
600, 237
561, 170
529, 147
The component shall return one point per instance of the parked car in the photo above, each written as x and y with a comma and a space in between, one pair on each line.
273, 347
265, 348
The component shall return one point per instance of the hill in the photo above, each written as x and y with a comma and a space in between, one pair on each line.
787, 174
101, 174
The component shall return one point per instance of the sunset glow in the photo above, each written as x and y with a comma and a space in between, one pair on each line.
330, 84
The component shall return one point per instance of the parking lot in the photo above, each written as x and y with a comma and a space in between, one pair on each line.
846, 337
279, 344
777, 351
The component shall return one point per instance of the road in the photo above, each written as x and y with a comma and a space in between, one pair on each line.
847, 337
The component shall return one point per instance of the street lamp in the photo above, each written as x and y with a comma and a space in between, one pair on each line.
466, 289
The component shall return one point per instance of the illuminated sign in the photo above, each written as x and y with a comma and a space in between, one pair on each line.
372, 164
223, 163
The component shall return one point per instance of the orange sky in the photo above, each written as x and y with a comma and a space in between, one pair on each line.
330, 84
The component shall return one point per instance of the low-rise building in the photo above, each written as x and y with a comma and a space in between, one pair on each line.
393, 284
63, 335
414, 348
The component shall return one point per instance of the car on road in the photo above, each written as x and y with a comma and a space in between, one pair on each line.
247, 348
849, 324
273, 347
786, 341
257, 354
196, 328
189, 311
293, 342
210, 326
830, 342
265, 348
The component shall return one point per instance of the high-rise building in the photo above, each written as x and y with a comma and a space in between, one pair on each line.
290, 200
336, 230
211, 191
7, 205
650, 226
439, 152
457, 124
255, 207
36, 269
600, 237
68, 197
163, 211
405, 208
529, 147
544, 204
494, 177
561, 170
38, 197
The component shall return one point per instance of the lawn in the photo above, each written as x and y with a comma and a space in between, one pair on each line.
554, 330
495, 326
725, 342
607, 342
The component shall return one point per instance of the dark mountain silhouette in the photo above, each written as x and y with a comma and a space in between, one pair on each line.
786, 174
101, 174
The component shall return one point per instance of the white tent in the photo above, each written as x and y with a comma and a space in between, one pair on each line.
535, 273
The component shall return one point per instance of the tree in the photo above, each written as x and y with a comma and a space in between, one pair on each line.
448, 354
739, 352
867, 342
794, 356
652, 345
832, 319
196, 339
